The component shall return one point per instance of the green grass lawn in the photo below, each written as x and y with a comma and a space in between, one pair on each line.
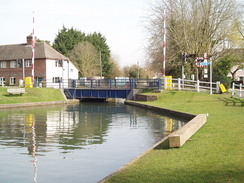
214, 154
31, 95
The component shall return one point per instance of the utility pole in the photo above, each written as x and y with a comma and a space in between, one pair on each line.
138, 74
183, 65
101, 68
211, 76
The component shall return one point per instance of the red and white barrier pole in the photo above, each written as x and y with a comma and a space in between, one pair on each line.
164, 42
33, 50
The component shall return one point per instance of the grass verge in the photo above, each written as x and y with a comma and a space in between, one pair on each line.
32, 95
214, 154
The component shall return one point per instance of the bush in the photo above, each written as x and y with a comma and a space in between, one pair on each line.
224, 80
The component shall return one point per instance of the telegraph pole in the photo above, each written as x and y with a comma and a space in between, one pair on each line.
101, 67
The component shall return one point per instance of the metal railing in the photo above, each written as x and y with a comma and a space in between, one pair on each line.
101, 83
156, 84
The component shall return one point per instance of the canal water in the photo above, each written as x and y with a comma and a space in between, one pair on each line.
75, 143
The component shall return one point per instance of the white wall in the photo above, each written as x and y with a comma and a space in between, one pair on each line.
51, 70
68, 71
73, 71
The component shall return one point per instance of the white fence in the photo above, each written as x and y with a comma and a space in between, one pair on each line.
237, 90
190, 85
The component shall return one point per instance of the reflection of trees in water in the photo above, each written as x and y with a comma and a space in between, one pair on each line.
42, 129
163, 124
76, 126
92, 121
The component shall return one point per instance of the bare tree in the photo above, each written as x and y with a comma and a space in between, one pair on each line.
240, 26
193, 26
235, 36
135, 71
86, 58
116, 71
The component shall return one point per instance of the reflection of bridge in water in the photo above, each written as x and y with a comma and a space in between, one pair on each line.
94, 111
69, 128
109, 88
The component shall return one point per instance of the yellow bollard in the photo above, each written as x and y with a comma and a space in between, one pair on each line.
168, 82
28, 82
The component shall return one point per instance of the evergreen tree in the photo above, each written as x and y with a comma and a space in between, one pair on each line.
99, 42
67, 39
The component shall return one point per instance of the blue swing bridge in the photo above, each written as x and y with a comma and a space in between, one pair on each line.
108, 88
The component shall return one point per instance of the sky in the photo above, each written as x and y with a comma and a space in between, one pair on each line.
119, 21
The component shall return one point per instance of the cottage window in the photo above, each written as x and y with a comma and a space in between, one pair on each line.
3, 64
58, 63
2, 80
13, 64
28, 63
57, 79
12, 81
19, 62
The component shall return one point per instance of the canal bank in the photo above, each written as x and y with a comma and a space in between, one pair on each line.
176, 139
213, 154
35, 104
33, 97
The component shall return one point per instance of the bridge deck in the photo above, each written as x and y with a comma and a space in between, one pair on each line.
80, 93
107, 88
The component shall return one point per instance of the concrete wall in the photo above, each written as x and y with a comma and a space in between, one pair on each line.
180, 136
169, 112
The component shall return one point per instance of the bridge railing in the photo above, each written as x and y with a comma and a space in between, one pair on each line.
158, 84
100, 83
116, 83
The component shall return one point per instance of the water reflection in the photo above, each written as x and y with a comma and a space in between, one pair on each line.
60, 132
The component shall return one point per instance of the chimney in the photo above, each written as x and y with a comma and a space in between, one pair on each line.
29, 39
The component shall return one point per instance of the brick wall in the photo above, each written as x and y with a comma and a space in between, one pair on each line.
40, 68
17, 73
147, 98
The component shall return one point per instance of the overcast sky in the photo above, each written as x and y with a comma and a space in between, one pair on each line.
120, 21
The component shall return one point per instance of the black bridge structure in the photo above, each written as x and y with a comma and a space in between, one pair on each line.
108, 88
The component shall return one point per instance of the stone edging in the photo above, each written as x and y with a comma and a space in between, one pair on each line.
180, 136
169, 112
17, 105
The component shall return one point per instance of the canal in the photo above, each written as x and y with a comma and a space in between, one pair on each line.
76, 143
